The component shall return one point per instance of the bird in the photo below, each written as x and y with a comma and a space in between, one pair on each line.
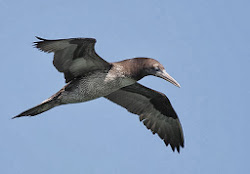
88, 77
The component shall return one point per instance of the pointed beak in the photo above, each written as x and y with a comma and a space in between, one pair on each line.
167, 77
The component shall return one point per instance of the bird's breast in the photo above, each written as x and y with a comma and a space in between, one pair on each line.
94, 85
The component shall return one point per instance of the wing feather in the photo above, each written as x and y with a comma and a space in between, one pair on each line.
73, 57
154, 110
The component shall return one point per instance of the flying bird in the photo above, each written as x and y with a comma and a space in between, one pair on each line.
88, 77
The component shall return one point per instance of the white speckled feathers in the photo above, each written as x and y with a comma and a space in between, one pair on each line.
93, 85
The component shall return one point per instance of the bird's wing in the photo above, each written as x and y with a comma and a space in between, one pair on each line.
154, 109
73, 57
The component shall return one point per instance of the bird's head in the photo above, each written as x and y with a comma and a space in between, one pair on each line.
153, 67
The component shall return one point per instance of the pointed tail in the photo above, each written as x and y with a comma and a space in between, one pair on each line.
44, 106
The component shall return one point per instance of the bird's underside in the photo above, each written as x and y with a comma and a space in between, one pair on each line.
90, 77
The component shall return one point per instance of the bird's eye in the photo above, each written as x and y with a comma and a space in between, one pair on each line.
157, 68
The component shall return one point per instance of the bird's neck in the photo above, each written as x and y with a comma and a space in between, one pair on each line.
131, 69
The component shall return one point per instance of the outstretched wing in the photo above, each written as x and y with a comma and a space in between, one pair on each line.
74, 56
154, 109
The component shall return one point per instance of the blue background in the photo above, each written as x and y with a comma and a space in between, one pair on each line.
204, 45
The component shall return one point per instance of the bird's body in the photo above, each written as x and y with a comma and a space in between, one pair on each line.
93, 85
90, 77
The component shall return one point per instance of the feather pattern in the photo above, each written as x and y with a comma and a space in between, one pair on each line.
154, 110
74, 57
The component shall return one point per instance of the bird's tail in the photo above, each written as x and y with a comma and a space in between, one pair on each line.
44, 106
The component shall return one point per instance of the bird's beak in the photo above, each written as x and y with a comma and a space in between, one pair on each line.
163, 74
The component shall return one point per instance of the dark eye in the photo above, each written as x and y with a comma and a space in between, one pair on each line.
157, 68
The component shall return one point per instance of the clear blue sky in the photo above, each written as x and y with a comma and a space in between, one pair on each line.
204, 45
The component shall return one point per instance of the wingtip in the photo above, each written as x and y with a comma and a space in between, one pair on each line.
37, 43
182, 144
20, 115
178, 149
16, 116
39, 38
172, 147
